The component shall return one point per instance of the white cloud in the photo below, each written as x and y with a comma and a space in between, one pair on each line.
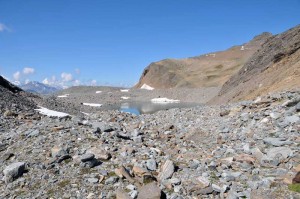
50, 81
76, 82
93, 82
46, 81
3, 28
66, 77
77, 71
17, 76
28, 71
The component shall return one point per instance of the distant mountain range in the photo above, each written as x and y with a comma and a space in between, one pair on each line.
38, 87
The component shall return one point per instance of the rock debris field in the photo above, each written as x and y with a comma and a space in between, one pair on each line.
248, 149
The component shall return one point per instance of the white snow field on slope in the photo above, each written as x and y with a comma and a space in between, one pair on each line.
164, 100
147, 87
63, 96
97, 92
51, 113
124, 90
92, 104
124, 98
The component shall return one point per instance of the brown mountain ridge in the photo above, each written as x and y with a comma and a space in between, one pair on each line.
274, 67
209, 70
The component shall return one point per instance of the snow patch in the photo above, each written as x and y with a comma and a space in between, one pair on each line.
147, 87
125, 98
63, 96
212, 55
242, 48
124, 90
164, 100
51, 113
92, 104
97, 92
85, 113
17, 83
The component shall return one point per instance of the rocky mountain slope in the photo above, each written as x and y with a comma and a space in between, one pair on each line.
38, 87
210, 70
274, 67
13, 97
5, 84
16, 103
244, 150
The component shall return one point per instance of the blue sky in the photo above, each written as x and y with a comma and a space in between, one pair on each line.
110, 42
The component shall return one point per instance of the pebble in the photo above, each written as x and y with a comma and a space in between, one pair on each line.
151, 164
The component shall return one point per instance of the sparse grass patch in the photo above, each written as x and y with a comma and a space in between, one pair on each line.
294, 187
219, 66
213, 177
272, 134
85, 171
273, 184
50, 192
63, 183
111, 174
67, 161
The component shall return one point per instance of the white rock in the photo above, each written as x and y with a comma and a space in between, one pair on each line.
13, 171
203, 181
167, 170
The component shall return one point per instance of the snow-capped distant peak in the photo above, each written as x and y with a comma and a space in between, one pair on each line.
38, 87
17, 83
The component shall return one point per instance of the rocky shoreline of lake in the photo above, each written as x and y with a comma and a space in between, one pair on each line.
248, 149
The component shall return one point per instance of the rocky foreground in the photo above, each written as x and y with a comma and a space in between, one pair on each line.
244, 150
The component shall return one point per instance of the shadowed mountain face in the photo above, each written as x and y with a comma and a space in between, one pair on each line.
9, 86
274, 67
14, 99
209, 70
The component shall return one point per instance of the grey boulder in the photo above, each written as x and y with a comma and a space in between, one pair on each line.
13, 171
